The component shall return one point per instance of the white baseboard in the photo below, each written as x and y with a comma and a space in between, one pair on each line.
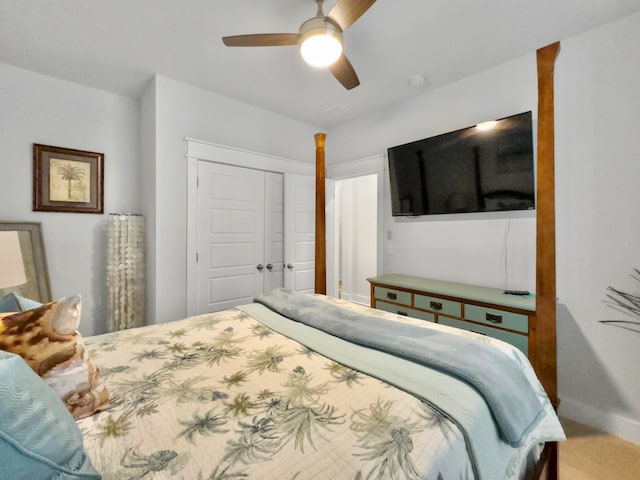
356, 298
622, 427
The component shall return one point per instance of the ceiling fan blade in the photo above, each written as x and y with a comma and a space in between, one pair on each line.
346, 12
344, 73
262, 40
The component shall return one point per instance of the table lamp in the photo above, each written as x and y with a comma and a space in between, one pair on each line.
11, 264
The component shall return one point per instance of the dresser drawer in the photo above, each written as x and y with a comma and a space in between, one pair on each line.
409, 312
498, 318
438, 305
521, 342
397, 296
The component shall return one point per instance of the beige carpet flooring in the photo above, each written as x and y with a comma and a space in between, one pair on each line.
593, 455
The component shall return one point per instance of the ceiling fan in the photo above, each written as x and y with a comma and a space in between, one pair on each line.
319, 38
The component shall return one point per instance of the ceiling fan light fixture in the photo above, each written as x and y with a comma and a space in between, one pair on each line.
320, 42
321, 50
319, 39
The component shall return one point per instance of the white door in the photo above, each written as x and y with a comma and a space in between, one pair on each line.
274, 231
232, 265
299, 225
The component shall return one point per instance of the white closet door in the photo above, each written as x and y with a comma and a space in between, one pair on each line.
274, 230
299, 228
230, 236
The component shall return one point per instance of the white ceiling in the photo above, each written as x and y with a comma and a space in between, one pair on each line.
117, 45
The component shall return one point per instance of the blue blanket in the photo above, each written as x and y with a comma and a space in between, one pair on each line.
509, 395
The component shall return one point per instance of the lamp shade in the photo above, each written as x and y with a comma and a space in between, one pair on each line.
11, 264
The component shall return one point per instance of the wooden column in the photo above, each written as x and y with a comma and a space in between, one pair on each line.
545, 354
321, 239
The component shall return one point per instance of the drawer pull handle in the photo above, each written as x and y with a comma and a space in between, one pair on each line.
404, 314
479, 333
437, 306
392, 296
493, 318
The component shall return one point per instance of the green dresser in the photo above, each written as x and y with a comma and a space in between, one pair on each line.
484, 310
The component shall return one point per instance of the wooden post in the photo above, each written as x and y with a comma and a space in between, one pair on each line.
321, 240
545, 356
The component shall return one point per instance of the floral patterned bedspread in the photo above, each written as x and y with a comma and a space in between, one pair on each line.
221, 396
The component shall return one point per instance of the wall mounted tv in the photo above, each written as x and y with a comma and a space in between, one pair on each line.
484, 168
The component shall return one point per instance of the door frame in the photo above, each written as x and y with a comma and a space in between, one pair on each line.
202, 151
372, 165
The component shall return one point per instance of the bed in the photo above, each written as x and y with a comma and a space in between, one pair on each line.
254, 392
294, 386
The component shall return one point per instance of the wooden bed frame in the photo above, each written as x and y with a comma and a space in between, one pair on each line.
543, 335
545, 363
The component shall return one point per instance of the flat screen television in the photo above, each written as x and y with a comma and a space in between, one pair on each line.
483, 168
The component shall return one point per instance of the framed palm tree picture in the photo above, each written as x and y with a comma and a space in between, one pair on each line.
67, 180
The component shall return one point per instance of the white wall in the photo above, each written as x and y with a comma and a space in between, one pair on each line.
597, 172
465, 247
598, 234
183, 111
40, 109
148, 192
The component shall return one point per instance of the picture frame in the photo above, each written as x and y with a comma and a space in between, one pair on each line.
35, 262
67, 180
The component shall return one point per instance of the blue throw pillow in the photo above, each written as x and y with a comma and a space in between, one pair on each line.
15, 303
38, 436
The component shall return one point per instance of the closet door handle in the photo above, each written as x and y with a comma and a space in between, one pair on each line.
260, 267
290, 266
269, 267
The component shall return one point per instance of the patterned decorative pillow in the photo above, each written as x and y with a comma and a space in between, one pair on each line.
38, 437
48, 340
